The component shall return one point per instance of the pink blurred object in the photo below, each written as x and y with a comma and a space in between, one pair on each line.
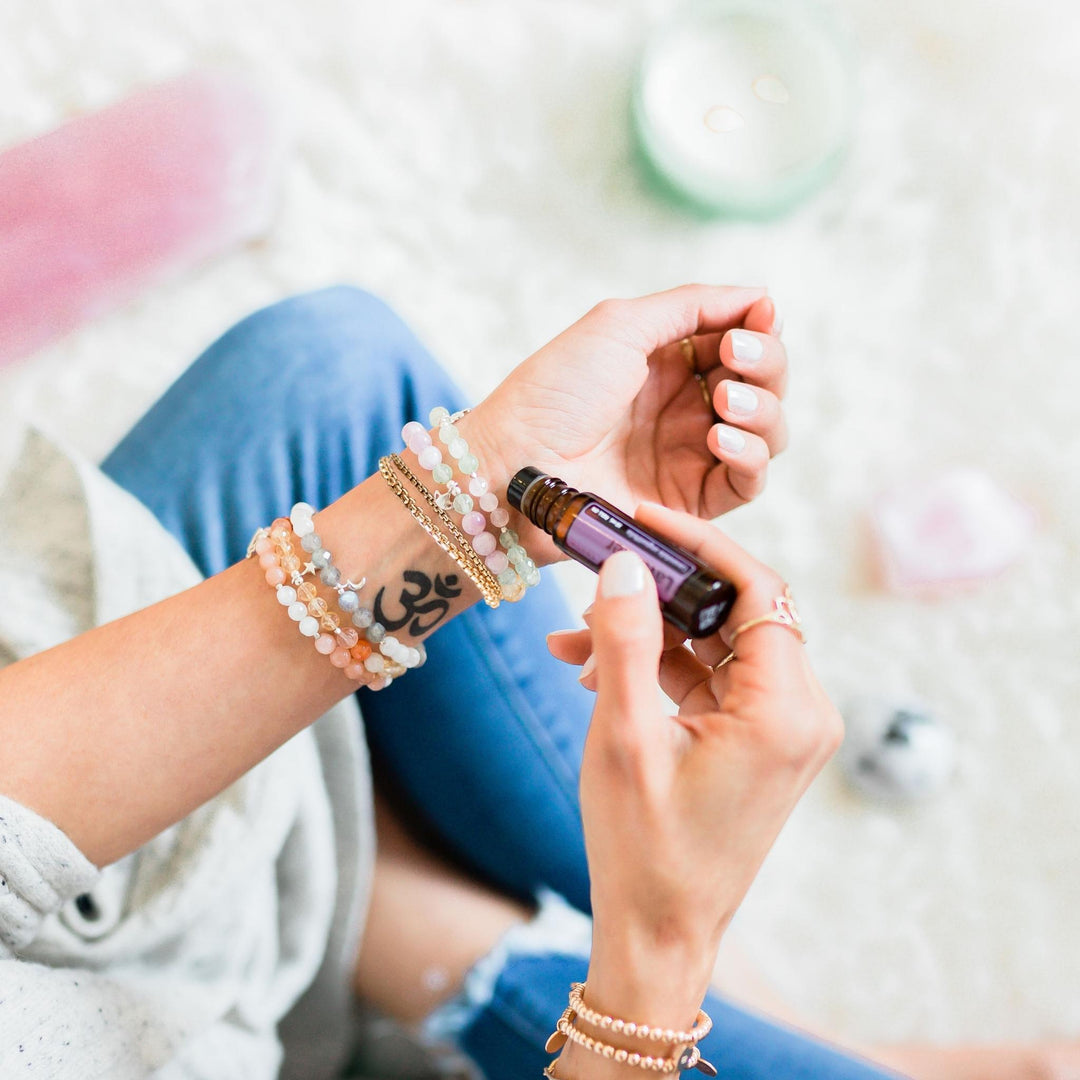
958, 527
94, 211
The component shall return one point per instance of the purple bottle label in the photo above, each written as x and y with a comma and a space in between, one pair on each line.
597, 533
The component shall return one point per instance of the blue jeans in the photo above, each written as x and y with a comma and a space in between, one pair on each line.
298, 402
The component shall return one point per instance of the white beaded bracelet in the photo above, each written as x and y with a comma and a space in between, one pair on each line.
384, 656
512, 566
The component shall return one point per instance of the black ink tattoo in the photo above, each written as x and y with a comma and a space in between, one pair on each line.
420, 613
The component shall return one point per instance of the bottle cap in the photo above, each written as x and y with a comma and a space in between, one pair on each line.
523, 479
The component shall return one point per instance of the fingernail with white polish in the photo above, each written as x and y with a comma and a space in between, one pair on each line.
777, 320
730, 439
588, 611
623, 574
741, 399
747, 348
588, 667
563, 633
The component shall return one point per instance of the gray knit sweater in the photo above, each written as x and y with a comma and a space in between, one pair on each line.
221, 949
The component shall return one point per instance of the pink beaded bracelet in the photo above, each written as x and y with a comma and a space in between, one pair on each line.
374, 662
512, 566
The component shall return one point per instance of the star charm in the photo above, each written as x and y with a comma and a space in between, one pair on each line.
310, 569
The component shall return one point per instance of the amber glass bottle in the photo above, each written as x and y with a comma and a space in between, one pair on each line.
589, 529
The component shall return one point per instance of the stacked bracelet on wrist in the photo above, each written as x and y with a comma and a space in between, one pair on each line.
513, 568
290, 552
683, 1052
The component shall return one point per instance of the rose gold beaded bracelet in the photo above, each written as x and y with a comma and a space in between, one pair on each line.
685, 1056
702, 1025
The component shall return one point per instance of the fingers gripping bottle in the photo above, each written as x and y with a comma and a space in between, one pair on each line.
589, 529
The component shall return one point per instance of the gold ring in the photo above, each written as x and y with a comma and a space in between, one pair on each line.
689, 354
784, 613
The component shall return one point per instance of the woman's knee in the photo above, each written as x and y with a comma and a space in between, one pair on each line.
336, 333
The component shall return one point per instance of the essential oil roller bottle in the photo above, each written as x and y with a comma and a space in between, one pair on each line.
588, 529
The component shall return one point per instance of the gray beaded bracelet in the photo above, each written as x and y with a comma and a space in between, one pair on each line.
301, 517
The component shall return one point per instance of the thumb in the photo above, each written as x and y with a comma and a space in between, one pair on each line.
628, 639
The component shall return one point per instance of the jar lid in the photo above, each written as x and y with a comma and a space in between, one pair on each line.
744, 107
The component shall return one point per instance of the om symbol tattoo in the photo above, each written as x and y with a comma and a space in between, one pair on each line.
421, 611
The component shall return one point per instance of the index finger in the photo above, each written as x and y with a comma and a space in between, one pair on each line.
664, 317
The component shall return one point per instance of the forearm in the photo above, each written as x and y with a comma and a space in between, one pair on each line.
124, 730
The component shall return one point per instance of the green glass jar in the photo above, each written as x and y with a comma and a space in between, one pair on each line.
742, 108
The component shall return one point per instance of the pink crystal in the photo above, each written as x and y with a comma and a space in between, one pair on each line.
957, 527
429, 457
497, 562
474, 523
484, 543
418, 442
93, 212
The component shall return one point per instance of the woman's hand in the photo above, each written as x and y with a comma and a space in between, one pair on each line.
680, 811
611, 404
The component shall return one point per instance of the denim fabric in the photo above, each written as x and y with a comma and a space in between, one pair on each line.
297, 402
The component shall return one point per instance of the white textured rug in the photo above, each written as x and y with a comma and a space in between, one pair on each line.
470, 161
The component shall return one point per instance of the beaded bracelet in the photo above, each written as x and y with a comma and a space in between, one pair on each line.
514, 569
689, 1057
375, 661
492, 595
686, 1056
702, 1025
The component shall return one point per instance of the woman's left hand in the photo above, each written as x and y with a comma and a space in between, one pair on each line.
612, 404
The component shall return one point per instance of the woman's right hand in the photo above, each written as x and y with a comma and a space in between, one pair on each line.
679, 812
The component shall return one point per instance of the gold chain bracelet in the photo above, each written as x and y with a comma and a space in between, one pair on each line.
441, 539
480, 570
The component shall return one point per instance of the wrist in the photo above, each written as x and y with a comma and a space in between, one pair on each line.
479, 430
633, 979
501, 454
658, 985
